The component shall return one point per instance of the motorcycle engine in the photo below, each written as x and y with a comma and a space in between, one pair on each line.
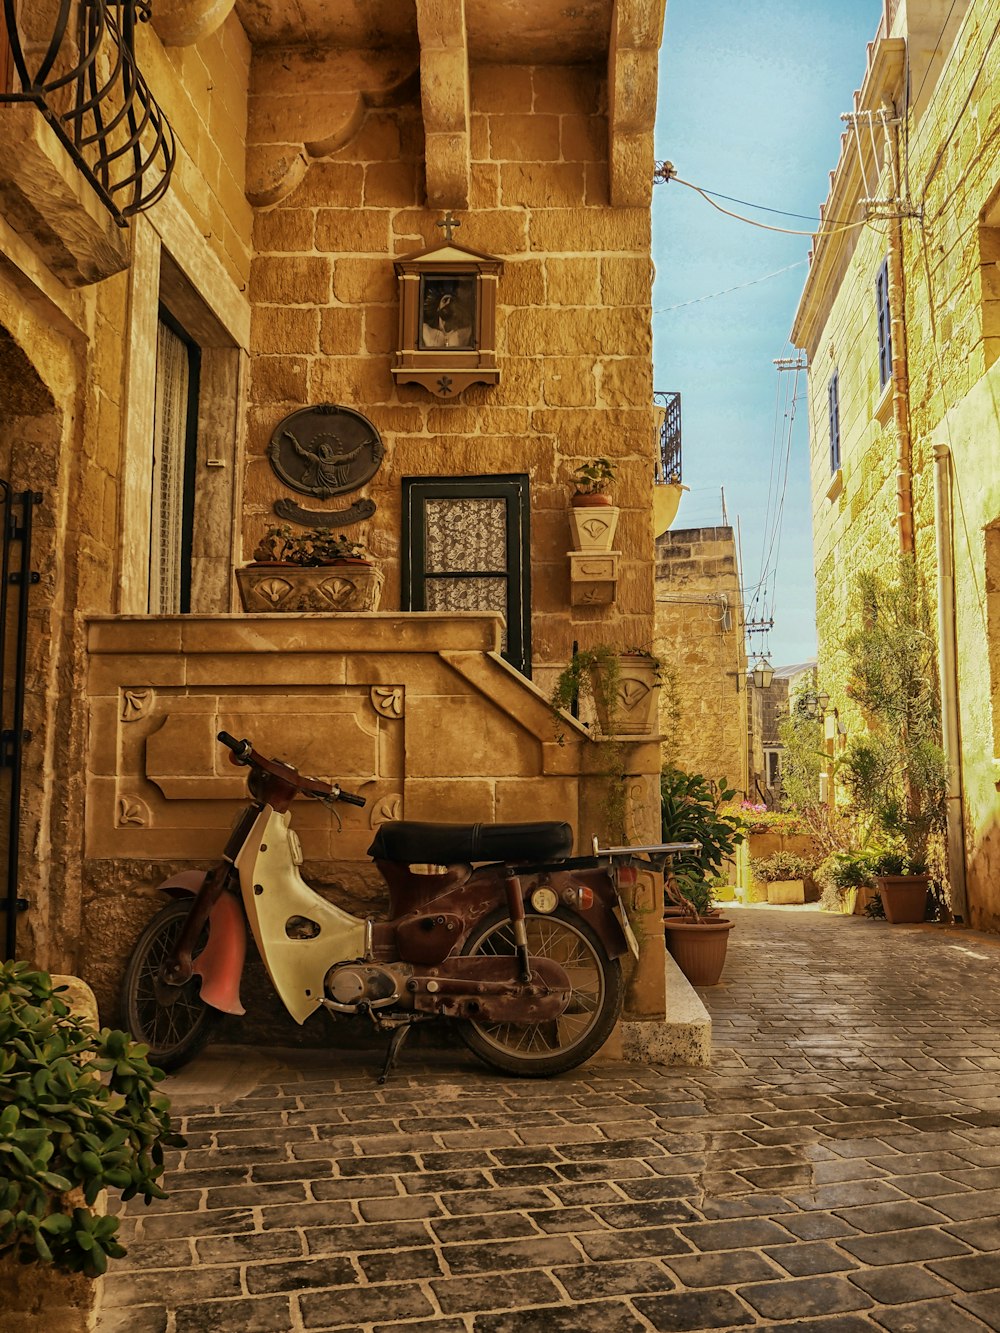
360, 983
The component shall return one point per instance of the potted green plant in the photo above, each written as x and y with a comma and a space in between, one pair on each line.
846, 881
784, 874
693, 810
313, 570
621, 685
593, 518
895, 773
591, 483
79, 1114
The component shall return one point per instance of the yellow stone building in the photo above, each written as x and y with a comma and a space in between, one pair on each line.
900, 318
154, 336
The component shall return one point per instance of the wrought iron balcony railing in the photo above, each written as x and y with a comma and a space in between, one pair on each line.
670, 437
75, 60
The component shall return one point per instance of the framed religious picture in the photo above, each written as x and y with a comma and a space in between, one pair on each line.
447, 317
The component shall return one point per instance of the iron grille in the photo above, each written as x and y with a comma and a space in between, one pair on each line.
670, 437
77, 65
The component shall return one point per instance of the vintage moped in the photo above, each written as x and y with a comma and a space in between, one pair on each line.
494, 926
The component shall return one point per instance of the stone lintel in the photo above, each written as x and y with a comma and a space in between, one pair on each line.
444, 99
47, 199
636, 29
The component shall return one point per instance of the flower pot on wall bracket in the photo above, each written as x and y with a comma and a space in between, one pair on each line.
904, 897
354, 585
635, 712
593, 525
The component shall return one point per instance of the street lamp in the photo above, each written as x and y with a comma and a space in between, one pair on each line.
814, 705
762, 673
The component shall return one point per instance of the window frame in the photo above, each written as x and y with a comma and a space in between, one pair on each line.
883, 312
514, 489
833, 414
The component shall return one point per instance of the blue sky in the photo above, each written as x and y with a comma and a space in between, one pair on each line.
749, 105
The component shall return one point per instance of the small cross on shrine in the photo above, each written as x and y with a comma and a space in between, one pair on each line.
449, 224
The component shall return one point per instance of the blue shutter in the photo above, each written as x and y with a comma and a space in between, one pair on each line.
833, 403
884, 325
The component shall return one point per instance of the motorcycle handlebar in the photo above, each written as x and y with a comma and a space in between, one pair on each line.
244, 753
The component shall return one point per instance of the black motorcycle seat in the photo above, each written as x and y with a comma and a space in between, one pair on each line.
446, 844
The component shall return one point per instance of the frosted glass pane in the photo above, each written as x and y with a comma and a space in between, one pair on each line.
465, 534
468, 595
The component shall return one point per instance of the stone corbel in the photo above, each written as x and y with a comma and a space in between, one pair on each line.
636, 30
291, 127
184, 22
444, 98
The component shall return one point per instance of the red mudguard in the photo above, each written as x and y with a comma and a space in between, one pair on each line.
220, 963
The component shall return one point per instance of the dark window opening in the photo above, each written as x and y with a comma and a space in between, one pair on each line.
884, 325
833, 404
175, 431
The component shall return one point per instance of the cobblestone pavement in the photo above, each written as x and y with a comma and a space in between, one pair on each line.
837, 1169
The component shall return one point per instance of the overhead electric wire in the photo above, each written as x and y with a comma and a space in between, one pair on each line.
782, 212
958, 119
765, 226
710, 296
937, 45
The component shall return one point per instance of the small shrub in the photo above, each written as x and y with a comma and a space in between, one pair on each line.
758, 819
78, 1114
780, 866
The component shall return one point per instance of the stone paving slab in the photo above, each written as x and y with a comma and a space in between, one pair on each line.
837, 1169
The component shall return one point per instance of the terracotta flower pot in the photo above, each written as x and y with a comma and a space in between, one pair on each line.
904, 897
581, 501
699, 948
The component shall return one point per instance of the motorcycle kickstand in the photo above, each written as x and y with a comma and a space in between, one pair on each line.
395, 1042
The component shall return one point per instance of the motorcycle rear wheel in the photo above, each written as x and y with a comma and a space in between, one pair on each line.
177, 1031
538, 1050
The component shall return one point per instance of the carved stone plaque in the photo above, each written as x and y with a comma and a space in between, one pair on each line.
325, 450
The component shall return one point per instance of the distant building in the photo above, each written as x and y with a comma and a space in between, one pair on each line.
699, 632
764, 713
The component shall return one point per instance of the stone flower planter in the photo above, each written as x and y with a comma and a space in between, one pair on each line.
786, 891
635, 713
345, 586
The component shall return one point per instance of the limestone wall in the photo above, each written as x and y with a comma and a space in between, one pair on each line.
573, 333
699, 634
417, 713
949, 271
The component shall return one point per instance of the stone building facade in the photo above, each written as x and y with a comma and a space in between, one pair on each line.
699, 632
147, 362
900, 321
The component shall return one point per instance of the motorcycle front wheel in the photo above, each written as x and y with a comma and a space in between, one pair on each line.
172, 1021
537, 1050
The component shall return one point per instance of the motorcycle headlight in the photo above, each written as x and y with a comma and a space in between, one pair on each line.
544, 899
